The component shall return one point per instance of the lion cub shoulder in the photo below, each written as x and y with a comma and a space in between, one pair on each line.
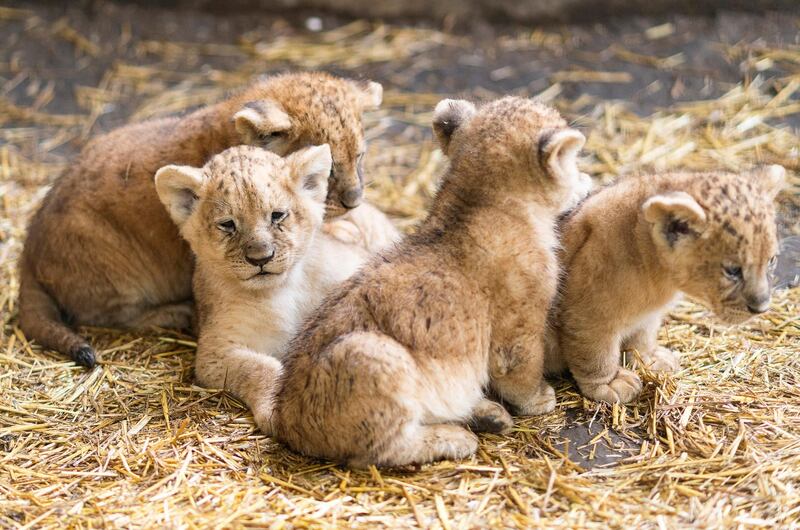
254, 222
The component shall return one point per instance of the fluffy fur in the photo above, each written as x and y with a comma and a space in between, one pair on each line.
102, 250
253, 220
390, 365
634, 247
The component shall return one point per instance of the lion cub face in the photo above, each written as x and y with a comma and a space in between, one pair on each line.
314, 109
721, 239
248, 214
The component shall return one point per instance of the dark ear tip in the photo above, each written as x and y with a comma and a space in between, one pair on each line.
445, 126
84, 356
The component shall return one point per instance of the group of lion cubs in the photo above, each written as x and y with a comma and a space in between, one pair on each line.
347, 341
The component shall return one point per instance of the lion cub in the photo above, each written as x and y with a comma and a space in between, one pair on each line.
635, 246
389, 365
253, 220
102, 251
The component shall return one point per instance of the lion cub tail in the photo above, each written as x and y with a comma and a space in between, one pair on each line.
40, 319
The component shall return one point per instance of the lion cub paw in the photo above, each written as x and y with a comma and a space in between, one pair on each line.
490, 416
262, 415
625, 386
345, 231
661, 360
542, 403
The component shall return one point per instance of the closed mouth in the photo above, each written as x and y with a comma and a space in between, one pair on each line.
262, 273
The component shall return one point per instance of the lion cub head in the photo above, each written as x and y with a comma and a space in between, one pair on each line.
286, 112
719, 238
525, 141
248, 214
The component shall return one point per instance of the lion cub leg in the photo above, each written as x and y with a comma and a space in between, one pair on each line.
644, 339
594, 360
365, 226
424, 444
170, 316
517, 375
248, 375
358, 402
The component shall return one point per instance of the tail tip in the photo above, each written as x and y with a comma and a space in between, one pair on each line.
84, 356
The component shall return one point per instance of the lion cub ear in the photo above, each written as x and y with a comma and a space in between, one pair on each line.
674, 216
311, 169
178, 187
774, 179
558, 153
449, 115
263, 123
371, 95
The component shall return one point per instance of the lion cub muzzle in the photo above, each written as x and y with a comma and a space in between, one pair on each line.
259, 254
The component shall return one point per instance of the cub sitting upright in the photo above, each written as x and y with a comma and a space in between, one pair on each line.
388, 366
633, 247
102, 251
253, 220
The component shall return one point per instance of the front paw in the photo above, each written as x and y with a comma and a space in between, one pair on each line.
490, 416
542, 403
661, 360
344, 231
624, 388
262, 415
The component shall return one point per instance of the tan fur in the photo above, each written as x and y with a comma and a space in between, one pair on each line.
272, 209
634, 247
101, 250
390, 364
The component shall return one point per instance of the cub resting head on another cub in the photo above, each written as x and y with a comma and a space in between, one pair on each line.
102, 250
632, 248
253, 220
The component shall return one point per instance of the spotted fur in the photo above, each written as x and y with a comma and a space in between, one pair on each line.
389, 366
101, 250
254, 221
633, 248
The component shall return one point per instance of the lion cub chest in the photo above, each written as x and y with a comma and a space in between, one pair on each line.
265, 321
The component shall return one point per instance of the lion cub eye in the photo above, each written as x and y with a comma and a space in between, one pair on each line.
228, 226
268, 137
732, 272
278, 217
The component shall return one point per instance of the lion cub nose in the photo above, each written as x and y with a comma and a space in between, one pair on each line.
758, 304
259, 254
352, 197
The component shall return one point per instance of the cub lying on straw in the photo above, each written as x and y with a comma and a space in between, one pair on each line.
632, 248
102, 251
253, 220
389, 365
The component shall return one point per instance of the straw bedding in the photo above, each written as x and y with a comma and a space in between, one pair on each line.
133, 443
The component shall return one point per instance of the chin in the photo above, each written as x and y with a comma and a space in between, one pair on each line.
332, 211
263, 281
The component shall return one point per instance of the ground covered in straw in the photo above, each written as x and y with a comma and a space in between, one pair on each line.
133, 443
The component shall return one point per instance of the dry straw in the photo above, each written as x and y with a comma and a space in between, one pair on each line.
133, 443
